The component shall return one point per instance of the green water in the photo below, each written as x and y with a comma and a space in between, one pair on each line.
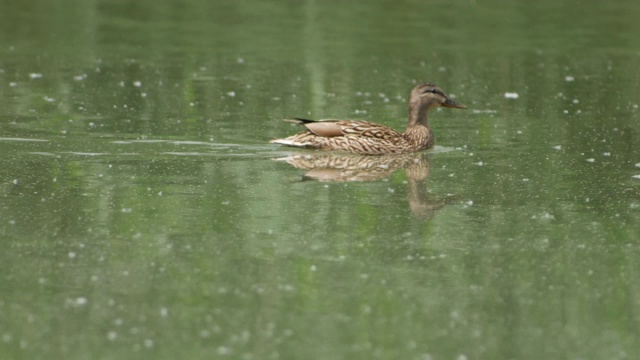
142, 213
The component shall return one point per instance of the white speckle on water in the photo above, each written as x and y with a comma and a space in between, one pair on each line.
485, 111
16, 181
519, 132
286, 287
391, 190
313, 268
226, 202
72, 255
569, 78
80, 77
547, 216
479, 163
240, 61
511, 95
49, 99
148, 343
606, 154
557, 147
126, 210
13, 84
576, 101
462, 357
565, 111
469, 203
231, 93
591, 160
112, 335
526, 180
80, 301
636, 176
137, 83
35, 76
6, 337
164, 312
223, 350
144, 94
360, 111
638, 165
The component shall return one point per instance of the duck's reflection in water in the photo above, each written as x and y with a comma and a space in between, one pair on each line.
322, 166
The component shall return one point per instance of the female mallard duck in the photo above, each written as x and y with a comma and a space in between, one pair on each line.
368, 138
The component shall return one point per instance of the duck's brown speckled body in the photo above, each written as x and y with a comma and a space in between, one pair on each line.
368, 138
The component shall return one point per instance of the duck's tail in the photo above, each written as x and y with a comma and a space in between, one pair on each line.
299, 121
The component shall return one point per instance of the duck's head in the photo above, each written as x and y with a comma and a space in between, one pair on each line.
429, 95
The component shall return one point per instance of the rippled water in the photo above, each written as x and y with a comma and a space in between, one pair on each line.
144, 213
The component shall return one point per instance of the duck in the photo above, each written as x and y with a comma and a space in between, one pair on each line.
369, 138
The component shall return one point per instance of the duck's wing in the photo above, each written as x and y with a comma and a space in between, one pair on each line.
334, 127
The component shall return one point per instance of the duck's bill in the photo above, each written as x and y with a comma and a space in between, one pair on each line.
452, 104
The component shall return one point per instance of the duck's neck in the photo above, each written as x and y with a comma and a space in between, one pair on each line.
418, 113
418, 132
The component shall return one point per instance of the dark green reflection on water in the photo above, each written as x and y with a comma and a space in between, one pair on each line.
143, 215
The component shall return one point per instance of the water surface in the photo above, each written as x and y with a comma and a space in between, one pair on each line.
144, 213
